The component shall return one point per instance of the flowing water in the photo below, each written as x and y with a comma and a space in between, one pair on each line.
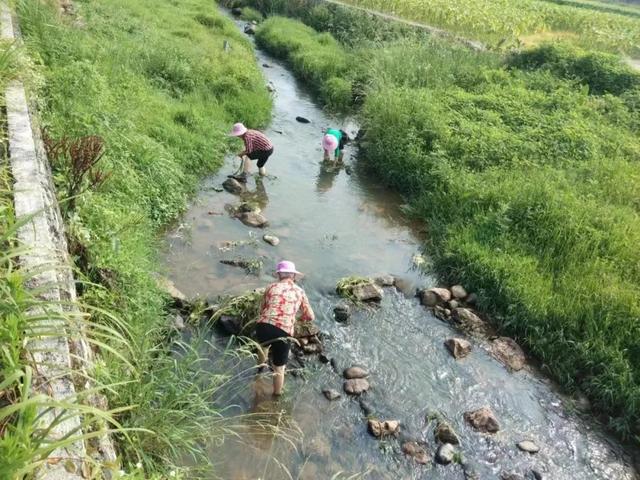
334, 224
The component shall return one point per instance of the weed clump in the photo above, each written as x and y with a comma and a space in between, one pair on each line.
245, 309
345, 286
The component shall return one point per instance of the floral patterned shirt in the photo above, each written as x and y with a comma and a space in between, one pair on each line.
281, 303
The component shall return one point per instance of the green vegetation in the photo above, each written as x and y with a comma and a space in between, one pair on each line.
158, 83
245, 308
345, 286
503, 22
526, 173
251, 15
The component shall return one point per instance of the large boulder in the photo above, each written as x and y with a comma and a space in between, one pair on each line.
356, 386
367, 292
483, 420
459, 347
467, 319
509, 353
416, 451
435, 296
380, 428
446, 434
232, 185
253, 219
355, 372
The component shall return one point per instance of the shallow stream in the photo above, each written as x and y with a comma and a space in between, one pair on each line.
334, 224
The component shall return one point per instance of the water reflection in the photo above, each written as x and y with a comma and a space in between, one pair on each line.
327, 175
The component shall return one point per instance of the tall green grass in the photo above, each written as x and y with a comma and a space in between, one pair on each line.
160, 82
526, 174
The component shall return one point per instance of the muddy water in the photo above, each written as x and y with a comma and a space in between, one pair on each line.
334, 224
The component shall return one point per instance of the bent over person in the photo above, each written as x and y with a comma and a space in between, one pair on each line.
256, 147
281, 303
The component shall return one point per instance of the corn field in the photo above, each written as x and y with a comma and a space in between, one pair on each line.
503, 22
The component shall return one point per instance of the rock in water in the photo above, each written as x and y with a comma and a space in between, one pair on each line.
435, 296
232, 185
355, 372
445, 454
250, 29
445, 434
178, 322
237, 11
367, 292
536, 474
458, 292
303, 120
511, 476
380, 429
508, 352
483, 420
342, 312
230, 325
385, 280
331, 394
365, 406
271, 239
458, 347
166, 285
467, 319
356, 386
416, 451
312, 348
528, 446
253, 219
471, 299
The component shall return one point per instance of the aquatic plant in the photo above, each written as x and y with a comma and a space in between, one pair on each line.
345, 286
245, 308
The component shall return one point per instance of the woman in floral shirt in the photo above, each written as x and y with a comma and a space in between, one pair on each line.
280, 305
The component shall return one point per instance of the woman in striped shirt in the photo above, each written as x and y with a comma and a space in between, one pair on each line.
256, 147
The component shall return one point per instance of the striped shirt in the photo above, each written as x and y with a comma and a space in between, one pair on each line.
281, 303
255, 141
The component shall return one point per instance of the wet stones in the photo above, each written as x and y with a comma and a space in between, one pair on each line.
178, 322
250, 29
385, 280
331, 394
367, 292
365, 406
355, 372
467, 319
507, 351
416, 451
445, 454
167, 286
511, 476
302, 120
312, 348
271, 239
458, 292
230, 325
381, 429
342, 312
232, 185
528, 446
237, 11
445, 434
356, 386
434, 296
253, 219
482, 420
458, 347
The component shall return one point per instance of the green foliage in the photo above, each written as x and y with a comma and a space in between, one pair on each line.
502, 22
245, 308
345, 286
154, 81
602, 72
251, 15
315, 57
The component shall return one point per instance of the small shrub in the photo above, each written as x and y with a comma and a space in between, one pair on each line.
251, 15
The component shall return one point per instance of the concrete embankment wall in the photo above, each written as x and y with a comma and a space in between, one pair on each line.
57, 348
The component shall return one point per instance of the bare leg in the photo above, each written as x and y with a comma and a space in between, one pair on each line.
246, 165
278, 379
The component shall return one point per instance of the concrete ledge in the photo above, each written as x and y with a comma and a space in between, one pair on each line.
57, 346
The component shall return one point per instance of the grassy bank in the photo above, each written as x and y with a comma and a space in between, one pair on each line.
158, 83
525, 170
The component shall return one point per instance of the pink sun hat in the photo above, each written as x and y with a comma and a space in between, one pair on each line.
238, 130
286, 266
329, 143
